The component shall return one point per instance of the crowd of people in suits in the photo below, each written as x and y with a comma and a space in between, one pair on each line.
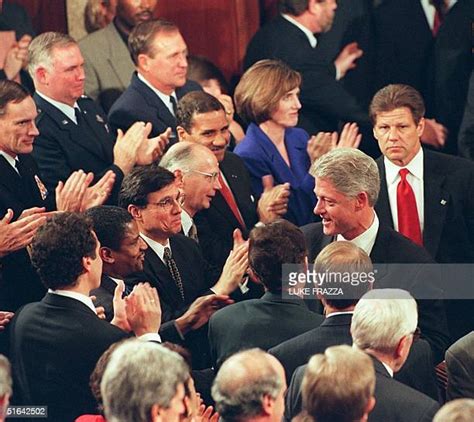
146, 236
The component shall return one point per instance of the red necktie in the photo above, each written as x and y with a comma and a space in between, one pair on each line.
438, 20
229, 198
408, 221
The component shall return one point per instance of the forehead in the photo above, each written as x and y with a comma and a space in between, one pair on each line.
131, 231
65, 56
25, 109
169, 190
168, 42
398, 114
212, 120
323, 187
205, 158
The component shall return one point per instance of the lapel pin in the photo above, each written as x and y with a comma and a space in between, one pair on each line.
443, 202
64, 122
234, 176
99, 118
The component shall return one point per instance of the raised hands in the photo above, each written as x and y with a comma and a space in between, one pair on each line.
17, 235
152, 149
143, 309
5, 318
346, 60
434, 134
273, 202
17, 57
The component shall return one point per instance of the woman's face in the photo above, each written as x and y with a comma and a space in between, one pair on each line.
286, 113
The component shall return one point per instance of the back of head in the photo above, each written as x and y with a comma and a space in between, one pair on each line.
293, 7
261, 88
350, 171
11, 92
110, 224
273, 245
59, 247
397, 96
201, 70
340, 259
40, 51
338, 385
460, 410
5, 385
139, 376
184, 156
140, 182
382, 317
195, 102
242, 382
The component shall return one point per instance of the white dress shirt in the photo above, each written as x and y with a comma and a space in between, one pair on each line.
365, 240
430, 10
414, 178
65, 108
163, 97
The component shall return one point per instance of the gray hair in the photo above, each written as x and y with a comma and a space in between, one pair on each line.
350, 171
382, 317
138, 376
5, 377
41, 48
242, 382
182, 156
460, 410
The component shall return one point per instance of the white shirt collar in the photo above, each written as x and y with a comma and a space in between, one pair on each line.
311, 38
11, 160
163, 97
389, 370
186, 221
365, 240
64, 108
86, 300
415, 167
430, 10
339, 313
156, 247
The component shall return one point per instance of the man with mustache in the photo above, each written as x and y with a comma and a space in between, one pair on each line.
108, 64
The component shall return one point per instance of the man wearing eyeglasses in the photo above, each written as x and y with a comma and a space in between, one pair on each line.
174, 263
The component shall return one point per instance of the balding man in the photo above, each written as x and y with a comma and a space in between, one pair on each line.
250, 386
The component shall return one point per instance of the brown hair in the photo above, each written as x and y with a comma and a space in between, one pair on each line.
397, 96
261, 88
11, 92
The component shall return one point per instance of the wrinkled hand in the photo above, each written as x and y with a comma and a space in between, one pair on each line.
143, 309
346, 60
120, 318
17, 57
434, 134
17, 235
152, 149
200, 311
273, 202
5, 318
234, 269
350, 136
127, 145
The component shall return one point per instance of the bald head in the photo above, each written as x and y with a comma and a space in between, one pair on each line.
250, 384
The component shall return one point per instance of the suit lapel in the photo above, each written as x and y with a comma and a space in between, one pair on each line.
118, 50
90, 142
383, 203
436, 202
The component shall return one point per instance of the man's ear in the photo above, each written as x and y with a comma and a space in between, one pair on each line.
404, 345
182, 134
143, 62
41, 75
362, 200
268, 404
107, 255
135, 212
178, 174
253, 276
420, 128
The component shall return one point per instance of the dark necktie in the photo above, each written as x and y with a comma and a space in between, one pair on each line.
408, 221
79, 118
174, 105
173, 269
193, 233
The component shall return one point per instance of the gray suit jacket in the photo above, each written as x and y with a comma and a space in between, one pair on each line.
108, 65
460, 366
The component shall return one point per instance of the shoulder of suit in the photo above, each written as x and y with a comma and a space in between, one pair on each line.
91, 40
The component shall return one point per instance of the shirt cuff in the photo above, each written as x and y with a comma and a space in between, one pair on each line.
150, 337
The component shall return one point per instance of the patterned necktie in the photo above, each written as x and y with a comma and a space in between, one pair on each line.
408, 221
173, 269
173, 104
192, 233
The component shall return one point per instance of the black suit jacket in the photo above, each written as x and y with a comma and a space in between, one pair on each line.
460, 367
395, 402
466, 131
19, 283
63, 147
139, 103
262, 323
216, 224
325, 101
55, 345
392, 248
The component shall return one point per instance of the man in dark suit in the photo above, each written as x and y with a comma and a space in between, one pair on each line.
324, 100
56, 343
159, 53
387, 339
246, 324
460, 368
73, 131
466, 131
347, 187
443, 187
202, 119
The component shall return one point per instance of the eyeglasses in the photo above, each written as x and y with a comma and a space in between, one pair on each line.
167, 203
212, 177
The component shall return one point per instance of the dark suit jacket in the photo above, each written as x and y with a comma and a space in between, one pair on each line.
19, 283
262, 323
391, 247
261, 157
460, 367
395, 402
466, 131
418, 371
139, 103
63, 147
325, 101
216, 224
55, 345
